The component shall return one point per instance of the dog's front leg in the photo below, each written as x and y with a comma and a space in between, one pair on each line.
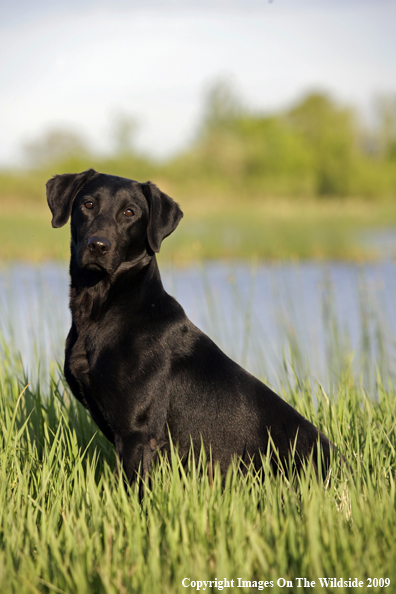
136, 453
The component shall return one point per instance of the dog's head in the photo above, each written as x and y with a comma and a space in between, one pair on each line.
113, 219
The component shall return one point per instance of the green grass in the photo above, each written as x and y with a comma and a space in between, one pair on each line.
221, 227
67, 524
28, 236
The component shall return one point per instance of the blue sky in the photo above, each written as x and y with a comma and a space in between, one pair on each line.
76, 65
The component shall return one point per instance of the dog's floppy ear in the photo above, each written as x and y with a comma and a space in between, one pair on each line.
165, 215
61, 192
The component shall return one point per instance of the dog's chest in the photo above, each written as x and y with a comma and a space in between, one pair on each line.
80, 336
92, 346
77, 353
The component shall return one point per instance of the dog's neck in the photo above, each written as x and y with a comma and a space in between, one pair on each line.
91, 290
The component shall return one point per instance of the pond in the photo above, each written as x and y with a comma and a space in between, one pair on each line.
281, 321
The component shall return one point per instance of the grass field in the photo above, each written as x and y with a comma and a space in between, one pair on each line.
67, 524
218, 227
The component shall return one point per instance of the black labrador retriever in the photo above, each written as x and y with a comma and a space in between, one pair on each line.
135, 360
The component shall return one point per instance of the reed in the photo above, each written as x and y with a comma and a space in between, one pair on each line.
68, 524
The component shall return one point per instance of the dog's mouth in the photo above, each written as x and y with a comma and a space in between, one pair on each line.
98, 268
95, 266
88, 262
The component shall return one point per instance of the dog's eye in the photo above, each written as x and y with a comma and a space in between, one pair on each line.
129, 212
88, 205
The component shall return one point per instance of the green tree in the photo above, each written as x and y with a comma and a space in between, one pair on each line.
222, 106
386, 116
330, 132
258, 152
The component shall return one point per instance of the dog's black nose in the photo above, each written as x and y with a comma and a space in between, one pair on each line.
98, 245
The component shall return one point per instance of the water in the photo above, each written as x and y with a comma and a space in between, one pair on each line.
306, 320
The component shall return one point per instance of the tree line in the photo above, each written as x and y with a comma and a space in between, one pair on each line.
316, 148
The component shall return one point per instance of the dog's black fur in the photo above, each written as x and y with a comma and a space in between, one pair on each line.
134, 359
